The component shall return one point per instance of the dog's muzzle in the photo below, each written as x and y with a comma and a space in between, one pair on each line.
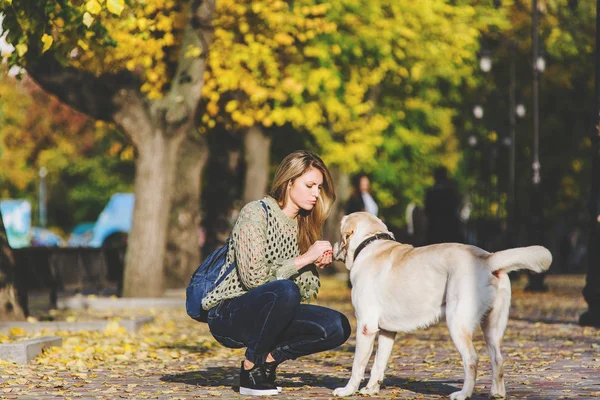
339, 252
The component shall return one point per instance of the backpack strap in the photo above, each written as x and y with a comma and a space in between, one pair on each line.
233, 264
266, 211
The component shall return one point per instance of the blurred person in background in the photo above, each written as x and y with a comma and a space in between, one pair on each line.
361, 198
442, 207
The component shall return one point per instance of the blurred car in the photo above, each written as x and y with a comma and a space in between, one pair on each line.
81, 235
45, 237
114, 222
112, 227
16, 214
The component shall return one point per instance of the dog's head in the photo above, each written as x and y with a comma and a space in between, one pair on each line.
355, 228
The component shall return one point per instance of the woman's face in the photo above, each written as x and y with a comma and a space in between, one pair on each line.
364, 184
305, 190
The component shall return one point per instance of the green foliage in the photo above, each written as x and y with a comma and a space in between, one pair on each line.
566, 112
370, 85
416, 57
86, 162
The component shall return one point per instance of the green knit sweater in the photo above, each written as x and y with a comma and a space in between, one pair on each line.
264, 249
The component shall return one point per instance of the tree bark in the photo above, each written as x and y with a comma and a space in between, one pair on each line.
257, 148
10, 309
146, 247
183, 247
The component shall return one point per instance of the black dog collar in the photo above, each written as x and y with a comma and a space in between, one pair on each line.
368, 241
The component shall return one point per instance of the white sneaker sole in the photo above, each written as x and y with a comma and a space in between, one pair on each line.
254, 392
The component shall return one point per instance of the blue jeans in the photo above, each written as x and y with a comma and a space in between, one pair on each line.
270, 319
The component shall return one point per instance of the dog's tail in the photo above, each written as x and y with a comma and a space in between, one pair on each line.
533, 258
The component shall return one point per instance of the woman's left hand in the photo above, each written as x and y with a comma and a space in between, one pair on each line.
325, 259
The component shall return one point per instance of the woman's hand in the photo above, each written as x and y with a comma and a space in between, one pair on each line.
325, 259
314, 253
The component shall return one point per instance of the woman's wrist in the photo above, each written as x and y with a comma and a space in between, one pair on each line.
300, 262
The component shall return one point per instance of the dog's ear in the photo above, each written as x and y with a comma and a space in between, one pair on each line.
347, 235
345, 230
343, 222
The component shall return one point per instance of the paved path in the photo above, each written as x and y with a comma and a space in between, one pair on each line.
547, 357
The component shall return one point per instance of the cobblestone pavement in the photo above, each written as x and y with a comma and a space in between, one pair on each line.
547, 356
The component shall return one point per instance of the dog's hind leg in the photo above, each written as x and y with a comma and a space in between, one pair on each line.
493, 326
384, 349
365, 337
463, 340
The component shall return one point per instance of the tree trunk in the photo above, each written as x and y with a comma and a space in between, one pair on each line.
183, 247
223, 187
257, 148
331, 230
156, 127
10, 309
155, 175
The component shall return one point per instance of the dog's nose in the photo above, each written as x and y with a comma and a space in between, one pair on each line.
336, 250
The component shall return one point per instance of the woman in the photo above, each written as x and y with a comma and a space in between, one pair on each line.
275, 245
361, 199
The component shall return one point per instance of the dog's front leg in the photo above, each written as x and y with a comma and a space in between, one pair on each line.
365, 337
384, 349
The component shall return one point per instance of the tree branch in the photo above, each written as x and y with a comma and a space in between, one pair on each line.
182, 100
82, 90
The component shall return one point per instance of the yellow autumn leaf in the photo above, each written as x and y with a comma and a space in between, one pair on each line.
21, 49
212, 108
231, 106
115, 6
83, 44
93, 7
16, 331
128, 154
88, 19
193, 51
47, 40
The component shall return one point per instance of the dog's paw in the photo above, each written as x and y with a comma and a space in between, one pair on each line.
498, 396
459, 396
370, 391
344, 391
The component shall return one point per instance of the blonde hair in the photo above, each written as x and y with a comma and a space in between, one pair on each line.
310, 223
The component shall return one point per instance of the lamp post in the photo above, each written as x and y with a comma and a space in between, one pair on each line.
515, 110
591, 291
43, 197
485, 60
536, 281
536, 166
512, 122
478, 113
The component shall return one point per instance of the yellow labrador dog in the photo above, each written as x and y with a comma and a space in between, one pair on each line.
398, 288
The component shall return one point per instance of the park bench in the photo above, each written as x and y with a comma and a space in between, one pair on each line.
73, 269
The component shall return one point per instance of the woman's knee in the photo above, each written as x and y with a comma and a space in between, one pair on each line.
340, 330
286, 293
346, 329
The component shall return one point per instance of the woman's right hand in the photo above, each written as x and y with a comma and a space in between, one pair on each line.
313, 253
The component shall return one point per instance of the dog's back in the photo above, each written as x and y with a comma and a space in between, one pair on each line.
406, 286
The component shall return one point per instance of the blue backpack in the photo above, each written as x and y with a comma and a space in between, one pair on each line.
206, 278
